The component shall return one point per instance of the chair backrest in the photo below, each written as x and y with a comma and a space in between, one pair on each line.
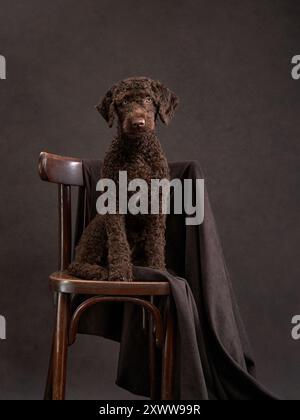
65, 172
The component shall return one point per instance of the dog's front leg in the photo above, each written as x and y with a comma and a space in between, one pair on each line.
155, 242
119, 259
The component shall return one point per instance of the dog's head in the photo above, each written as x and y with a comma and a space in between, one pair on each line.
136, 102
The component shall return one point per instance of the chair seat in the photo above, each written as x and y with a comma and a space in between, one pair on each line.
62, 282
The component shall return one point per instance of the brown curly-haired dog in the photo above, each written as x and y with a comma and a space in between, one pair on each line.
112, 243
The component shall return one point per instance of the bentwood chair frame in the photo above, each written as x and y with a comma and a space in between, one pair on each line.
67, 172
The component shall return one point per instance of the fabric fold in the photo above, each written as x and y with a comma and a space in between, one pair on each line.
213, 358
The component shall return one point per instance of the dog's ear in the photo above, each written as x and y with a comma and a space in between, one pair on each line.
106, 108
166, 100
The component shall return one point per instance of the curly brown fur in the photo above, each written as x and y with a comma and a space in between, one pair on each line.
118, 241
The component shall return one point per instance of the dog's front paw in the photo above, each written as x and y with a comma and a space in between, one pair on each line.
120, 274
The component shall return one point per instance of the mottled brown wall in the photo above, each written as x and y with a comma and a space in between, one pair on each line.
229, 61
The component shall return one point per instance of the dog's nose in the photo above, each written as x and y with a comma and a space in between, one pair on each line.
139, 122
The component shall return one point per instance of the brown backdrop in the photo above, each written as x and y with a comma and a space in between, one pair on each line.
230, 64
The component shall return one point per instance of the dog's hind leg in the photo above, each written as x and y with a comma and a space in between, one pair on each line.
90, 252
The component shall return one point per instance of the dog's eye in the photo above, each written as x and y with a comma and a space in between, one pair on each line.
148, 100
125, 102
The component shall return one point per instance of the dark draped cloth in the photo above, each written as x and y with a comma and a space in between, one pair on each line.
213, 358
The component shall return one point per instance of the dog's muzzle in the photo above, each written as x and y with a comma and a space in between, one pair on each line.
138, 122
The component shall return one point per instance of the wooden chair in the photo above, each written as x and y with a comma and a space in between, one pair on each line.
67, 172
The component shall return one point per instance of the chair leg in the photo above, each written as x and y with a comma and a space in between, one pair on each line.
49, 382
60, 347
168, 356
154, 360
